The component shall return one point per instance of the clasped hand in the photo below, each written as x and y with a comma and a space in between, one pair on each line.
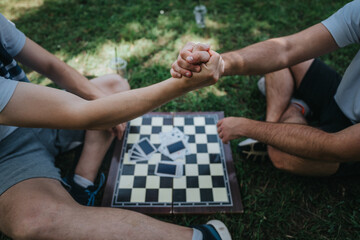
198, 62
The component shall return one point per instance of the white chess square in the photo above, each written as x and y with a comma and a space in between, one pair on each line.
210, 129
138, 195
179, 182
220, 195
141, 170
155, 139
193, 195
126, 181
133, 138
191, 170
136, 121
216, 169
152, 182
165, 195
157, 121
145, 129
202, 158
213, 148
199, 121
179, 121
188, 129
205, 182
200, 138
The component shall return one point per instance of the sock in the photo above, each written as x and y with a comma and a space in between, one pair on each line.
81, 181
208, 232
197, 234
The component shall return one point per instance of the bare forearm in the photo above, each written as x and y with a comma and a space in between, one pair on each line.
38, 106
304, 141
278, 53
40, 60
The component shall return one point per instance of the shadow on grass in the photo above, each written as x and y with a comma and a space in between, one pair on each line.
84, 33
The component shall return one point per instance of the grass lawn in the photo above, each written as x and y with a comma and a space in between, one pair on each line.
85, 34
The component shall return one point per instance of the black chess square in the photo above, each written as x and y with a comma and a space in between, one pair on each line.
166, 182
218, 181
209, 121
155, 129
204, 169
179, 195
128, 169
134, 129
168, 121
139, 182
215, 158
192, 182
190, 159
201, 148
206, 195
191, 138
189, 121
151, 169
124, 195
152, 195
212, 138
200, 129
144, 136
146, 121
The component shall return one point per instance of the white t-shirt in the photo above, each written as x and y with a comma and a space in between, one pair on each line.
344, 26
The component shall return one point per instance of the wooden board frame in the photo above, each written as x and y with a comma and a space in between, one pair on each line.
236, 207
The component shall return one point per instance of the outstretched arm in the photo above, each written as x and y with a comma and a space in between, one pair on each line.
37, 106
45, 63
270, 55
295, 139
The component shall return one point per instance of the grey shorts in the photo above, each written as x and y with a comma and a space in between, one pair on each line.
30, 153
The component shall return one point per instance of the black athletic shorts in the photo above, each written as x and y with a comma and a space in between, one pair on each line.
317, 89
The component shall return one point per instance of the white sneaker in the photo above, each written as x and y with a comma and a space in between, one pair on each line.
221, 229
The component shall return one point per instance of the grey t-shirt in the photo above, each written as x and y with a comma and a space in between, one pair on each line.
12, 41
344, 26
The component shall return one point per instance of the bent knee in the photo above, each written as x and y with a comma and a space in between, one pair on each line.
36, 221
116, 83
278, 160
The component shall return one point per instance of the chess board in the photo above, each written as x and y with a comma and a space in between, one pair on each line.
209, 183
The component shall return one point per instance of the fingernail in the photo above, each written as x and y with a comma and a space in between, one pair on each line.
188, 74
189, 59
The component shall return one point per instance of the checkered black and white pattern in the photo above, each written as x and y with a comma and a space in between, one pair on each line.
205, 181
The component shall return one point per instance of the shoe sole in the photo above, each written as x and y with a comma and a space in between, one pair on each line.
221, 229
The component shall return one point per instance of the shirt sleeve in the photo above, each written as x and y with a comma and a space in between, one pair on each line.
344, 25
11, 38
7, 88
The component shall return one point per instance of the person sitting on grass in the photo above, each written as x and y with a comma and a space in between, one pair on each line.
33, 201
296, 84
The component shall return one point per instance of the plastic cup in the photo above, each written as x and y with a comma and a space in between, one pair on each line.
119, 65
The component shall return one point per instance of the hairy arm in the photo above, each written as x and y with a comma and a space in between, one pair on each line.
302, 140
45, 63
263, 57
278, 53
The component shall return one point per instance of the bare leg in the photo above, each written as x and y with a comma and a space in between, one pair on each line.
294, 164
279, 89
97, 143
41, 208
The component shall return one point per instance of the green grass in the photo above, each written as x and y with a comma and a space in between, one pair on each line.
84, 33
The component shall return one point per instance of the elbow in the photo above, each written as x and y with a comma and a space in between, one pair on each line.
282, 49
